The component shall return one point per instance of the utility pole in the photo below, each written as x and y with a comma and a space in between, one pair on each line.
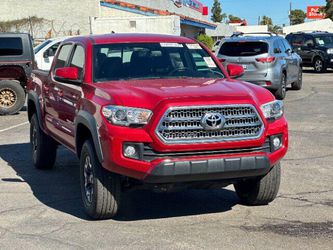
258, 20
290, 8
31, 30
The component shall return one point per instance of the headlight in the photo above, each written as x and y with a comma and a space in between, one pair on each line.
272, 110
330, 51
126, 116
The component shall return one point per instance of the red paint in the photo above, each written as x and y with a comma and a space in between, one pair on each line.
205, 11
235, 70
70, 73
314, 12
61, 102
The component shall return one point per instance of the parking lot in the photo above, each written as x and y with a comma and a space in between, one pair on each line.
42, 209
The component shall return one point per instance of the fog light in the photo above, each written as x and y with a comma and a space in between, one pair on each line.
276, 142
130, 152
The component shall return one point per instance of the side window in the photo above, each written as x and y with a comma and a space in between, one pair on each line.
277, 47
286, 45
309, 41
78, 60
53, 49
63, 56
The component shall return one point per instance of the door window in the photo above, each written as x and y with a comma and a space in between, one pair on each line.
53, 49
78, 60
298, 41
277, 47
63, 56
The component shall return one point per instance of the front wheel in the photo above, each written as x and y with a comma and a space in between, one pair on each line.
260, 191
100, 188
319, 65
12, 97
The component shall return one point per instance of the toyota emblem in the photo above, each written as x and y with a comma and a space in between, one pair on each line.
212, 121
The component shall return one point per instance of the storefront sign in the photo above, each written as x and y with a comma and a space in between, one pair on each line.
193, 4
313, 12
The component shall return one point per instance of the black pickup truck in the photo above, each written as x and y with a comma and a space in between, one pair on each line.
16, 63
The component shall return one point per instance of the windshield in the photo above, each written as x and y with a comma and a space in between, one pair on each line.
39, 47
243, 48
324, 40
152, 60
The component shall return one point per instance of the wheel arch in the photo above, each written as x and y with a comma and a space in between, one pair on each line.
34, 107
85, 128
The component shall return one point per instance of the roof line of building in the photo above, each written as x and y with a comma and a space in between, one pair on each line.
138, 9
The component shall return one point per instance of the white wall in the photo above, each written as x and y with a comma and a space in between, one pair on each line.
320, 25
252, 28
166, 25
62, 16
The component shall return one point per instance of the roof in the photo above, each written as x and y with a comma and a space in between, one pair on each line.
134, 38
138, 9
252, 38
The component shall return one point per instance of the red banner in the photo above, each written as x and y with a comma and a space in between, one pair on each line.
313, 12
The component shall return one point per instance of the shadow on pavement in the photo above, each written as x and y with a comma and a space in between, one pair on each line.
60, 189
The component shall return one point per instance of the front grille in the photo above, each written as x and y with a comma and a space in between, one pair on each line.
184, 124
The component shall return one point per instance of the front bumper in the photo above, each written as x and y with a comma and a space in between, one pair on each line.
208, 170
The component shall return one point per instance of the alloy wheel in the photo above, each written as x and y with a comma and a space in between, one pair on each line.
7, 98
319, 65
88, 179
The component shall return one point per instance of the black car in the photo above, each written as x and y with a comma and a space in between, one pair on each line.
315, 48
16, 63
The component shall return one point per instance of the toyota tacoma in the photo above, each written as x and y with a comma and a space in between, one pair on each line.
155, 111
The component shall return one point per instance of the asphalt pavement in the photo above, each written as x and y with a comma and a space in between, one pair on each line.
42, 209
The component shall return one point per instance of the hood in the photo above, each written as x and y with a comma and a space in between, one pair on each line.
149, 93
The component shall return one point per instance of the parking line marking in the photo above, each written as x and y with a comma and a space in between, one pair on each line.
12, 127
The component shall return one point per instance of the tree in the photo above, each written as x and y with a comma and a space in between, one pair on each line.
297, 17
206, 40
328, 9
234, 18
266, 21
275, 29
217, 15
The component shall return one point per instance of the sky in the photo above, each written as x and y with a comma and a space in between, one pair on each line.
251, 9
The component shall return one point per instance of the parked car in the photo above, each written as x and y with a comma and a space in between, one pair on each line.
216, 45
267, 59
16, 62
155, 111
315, 48
44, 52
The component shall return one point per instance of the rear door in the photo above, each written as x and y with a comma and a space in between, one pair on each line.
246, 53
293, 61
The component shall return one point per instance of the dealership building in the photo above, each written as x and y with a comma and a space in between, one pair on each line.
72, 17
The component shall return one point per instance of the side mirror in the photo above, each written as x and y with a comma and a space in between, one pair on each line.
67, 73
46, 54
235, 70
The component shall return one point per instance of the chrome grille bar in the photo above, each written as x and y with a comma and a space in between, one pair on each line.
183, 124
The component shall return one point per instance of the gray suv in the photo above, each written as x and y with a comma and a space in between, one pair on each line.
267, 59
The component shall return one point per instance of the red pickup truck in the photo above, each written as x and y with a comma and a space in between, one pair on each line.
155, 111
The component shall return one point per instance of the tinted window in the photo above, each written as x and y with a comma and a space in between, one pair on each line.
298, 41
153, 60
63, 56
324, 40
243, 48
11, 46
78, 60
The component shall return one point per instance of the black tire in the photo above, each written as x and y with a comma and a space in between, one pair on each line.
280, 93
260, 191
319, 65
44, 148
100, 189
12, 97
299, 83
